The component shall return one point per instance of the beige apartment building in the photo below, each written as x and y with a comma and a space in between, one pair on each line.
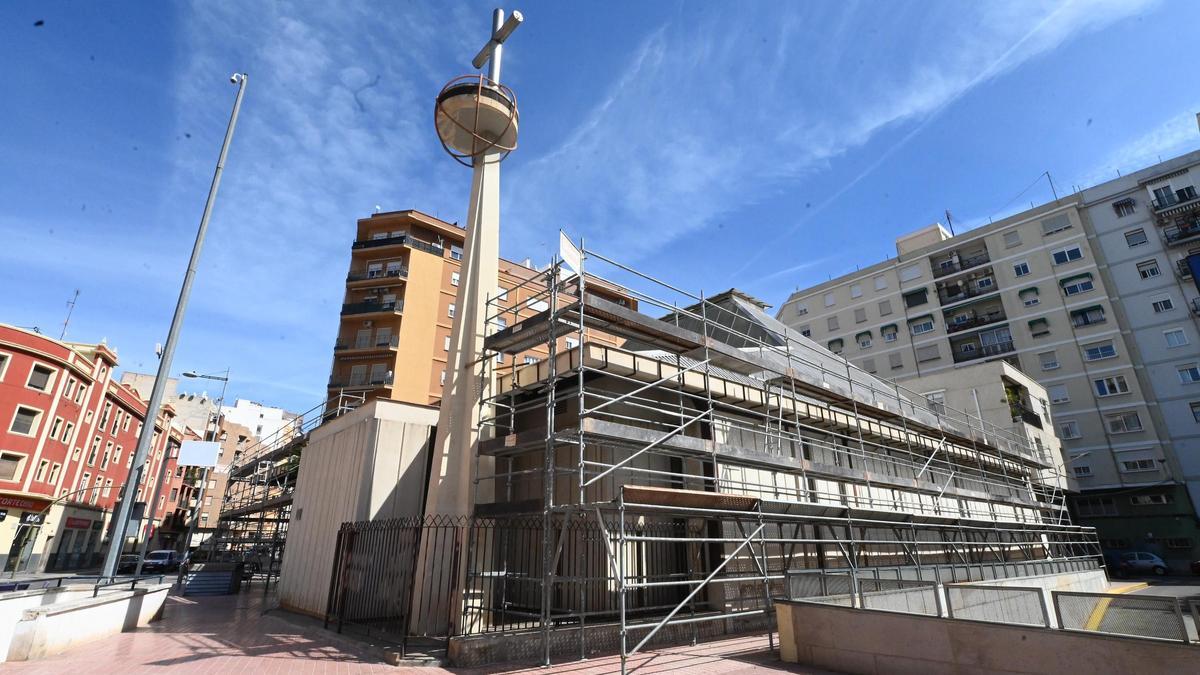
401, 293
1052, 291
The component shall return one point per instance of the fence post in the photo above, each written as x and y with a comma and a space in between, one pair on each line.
1182, 624
1045, 610
1057, 609
333, 576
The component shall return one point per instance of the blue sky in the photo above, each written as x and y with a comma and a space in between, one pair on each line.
760, 145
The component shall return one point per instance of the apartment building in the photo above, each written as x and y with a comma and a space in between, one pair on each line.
68, 438
1088, 295
401, 292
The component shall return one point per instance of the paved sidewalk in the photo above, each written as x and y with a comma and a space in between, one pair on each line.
230, 634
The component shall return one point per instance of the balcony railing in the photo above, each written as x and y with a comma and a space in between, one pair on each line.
386, 343
967, 263
984, 351
1021, 412
381, 274
1184, 196
946, 297
370, 307
1182, 269
373, 243
975, 321
1177, 234
363, 383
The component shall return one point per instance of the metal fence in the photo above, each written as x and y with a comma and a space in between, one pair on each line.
1024, 605
384, 582
899, 595
882, 589
1146, 616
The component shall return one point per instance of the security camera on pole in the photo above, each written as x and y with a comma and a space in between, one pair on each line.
476, 119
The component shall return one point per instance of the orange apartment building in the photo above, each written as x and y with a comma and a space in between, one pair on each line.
401, 290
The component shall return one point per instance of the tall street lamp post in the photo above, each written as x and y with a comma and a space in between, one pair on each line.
125, 507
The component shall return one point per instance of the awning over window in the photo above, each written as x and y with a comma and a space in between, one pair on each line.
1076, 277
923, 317
865, 333
891, 326
1038, 322
1032, 290
1085, 310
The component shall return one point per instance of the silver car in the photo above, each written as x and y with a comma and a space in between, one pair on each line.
1143, 563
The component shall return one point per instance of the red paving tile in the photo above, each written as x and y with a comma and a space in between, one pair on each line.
231, 634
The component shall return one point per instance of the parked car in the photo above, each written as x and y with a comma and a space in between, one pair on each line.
162, 561
1143, 563
127, 564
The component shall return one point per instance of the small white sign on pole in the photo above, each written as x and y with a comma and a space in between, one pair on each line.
571, 256
199, 453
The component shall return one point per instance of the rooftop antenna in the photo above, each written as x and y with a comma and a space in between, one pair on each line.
950, 222
1052, 189
70, 309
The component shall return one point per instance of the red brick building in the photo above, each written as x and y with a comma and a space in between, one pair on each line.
68, 433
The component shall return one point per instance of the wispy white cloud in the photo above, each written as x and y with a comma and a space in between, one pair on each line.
662, 156
1173, 136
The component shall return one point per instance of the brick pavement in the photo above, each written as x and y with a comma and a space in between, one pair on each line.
231, 634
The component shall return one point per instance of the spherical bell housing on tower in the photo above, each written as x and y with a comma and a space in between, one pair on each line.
475, 116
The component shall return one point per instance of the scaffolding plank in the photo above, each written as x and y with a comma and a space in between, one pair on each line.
694, 499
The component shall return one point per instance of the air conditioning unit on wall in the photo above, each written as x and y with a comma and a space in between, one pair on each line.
368, 323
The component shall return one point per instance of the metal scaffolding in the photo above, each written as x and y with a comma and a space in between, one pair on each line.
257, 504
661, 489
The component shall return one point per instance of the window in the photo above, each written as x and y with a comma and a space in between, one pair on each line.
1175, 337
909, 273
880, 283
1162, 304
984, 283
856, 290
450, 310
1111, 386
41, 471
1068, 429
1195, 406
572, 343
1077, 285
39, 377
1137, 465
455, 252
24, 421
967, 348
1082, 470
443, 378
1012, 238
1148, 269
1066, 255
502, 294
937, 401
1049, 360
1136, 237
831, 323
116, 458
801, 309
108, 487
1056, 224
885, 307
928, 353
916, 298
530, 360
835, 345
830, 300
107, 454
1123, 423
1096, 506
806, 330
860, 315
1163, 197
922, 325
446, 344
1089, 316
1189, 374
869, 365
501, 324
358, 376
864, 340
10, 465
54, 473
1021, 268
537, 305
1029, 297
889, 333
3, 365
1097, 351
1123, 207
895, 361
379, 373
1039, 327
1058, 393
55, 427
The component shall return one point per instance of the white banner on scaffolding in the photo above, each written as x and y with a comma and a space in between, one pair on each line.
571, 256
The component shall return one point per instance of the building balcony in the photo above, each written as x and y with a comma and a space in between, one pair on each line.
368, 345
980, 319
372, 307
1180, 234
941, 269
1023, 413
1182, 270
1183, 197
982, 351
377, 275
359, 383
376, 243
949, 296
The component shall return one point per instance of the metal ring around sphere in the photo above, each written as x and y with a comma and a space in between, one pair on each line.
484, 88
